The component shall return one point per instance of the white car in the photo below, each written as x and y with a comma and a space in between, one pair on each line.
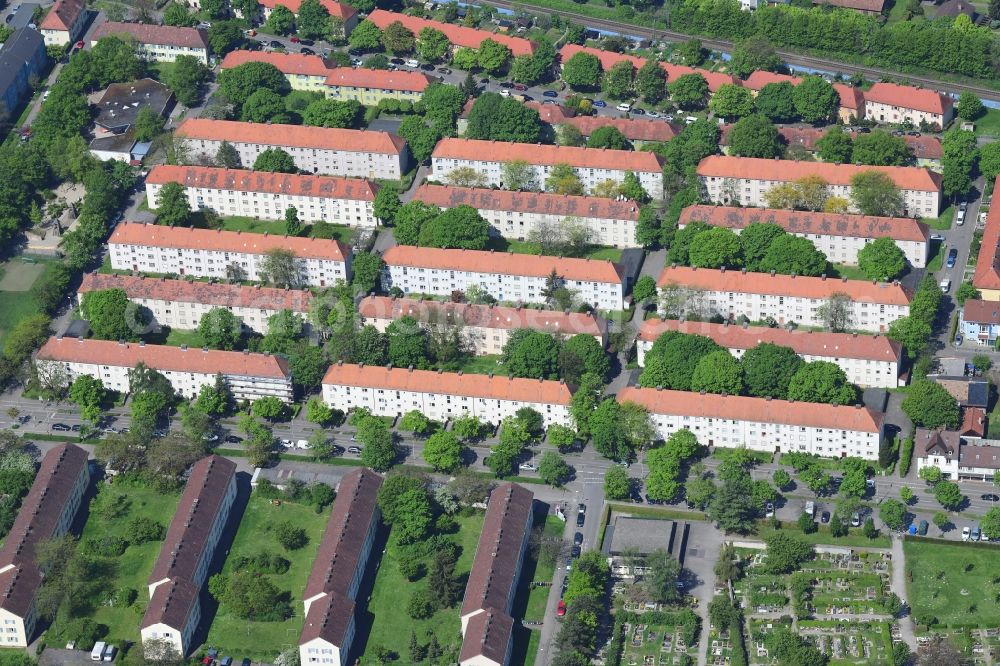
504, 92
624, 107
966, 533
527, 467
412, 63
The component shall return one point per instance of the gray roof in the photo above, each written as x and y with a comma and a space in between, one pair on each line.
19, 48
22, 17
644, 535
121, 103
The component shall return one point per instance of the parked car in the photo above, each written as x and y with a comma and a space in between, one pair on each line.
294, 39
952, 258
233, 439
624, 107
958, 340
575, 551
937, 237
975, 534
922, 528
305, 50
444, 70
824, 517
768, 510
578, 539
569, 564
580, 519
855, 519
945, 285
306, 42
581, 508
600, 103
561, 608
966, 532
427, 68
60, 427
637, 111
504, 92
412, 63
527, 467
960, 216
354, 449
398, 61
275, 44
520, 87
550, 93
990, 497
210, 437
527, 98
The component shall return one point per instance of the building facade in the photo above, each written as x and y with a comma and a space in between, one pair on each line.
745, 181
182, 567
787, 299
458, 35
867, 360
762, 424
46, 512
592, 165
839, 237
371, 86
517, 214
63, 23
323, 150
304, 72
485, 328
957, 456
987, 276
979, 320
267, 195
23, 61
248, 376
893, 104
508, 278
443, 395
340, 565
161, 43
225, 255
181, 304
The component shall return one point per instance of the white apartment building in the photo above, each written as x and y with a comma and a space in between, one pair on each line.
745, 181
47, 512
839, 237
787, 299
506, 277
324, 150
371, 86
161, 43
304, 72
517, 214
149, 248
459, 35
62, 25
956, 456
267, 195
893, 104
340, 565
248, 376
180, 571
867, 360
181, 304
761, 424
592, 165
443, 395
344, 14
485, 328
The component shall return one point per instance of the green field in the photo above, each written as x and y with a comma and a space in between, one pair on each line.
262, 640
391, 625
936, 260
18, 277
524, 247
482, 365
955, 582
943, 221
849, 272
989, 124
129, 571
854, 538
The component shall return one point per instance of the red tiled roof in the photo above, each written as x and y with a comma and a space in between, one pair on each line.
785, 285
752, 168
609, 59
481, 316
804, 343
909, 97
171, 604
987, 275
163, 358
562, 205
378, 78
551, 114
300, 136
924, 147
456, 34
18, 587
634, 129
758, 410
152, 235
205, 293
981, 312
807, 222
168, 35
715, 80
498, 554
329, 618
451, 383
850, 97
488, 635
973, 422
503, 263
760, 78
336, 9
874, 6
502, 151
62, 15
287, 63
242, 180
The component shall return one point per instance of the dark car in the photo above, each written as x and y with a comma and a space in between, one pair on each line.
600, 103
306, 51
990, 497
355, 52
444, 70
527, 98
275, 44
253, 45
824, 517
578, 538
580, 519
398, 61
636, 111
864, 130
233, 439
952, 257
575, 552
10, 17
61, 427
427, 67
550, 93
306, 42
336, 450
506, 85
581, 508
913, 133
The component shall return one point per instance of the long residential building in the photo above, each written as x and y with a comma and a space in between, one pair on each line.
979, 320
504, 276
248, 376
267, 195
787, 299
895, 104
762, 424
485, 328
458, 35
62, 25
174, 610
344, 15
518, 214
47, 512
593, 165
840, 237
487, 626
443, 395
609, 59
745, 181
304, 72
161, 43
181, 304
852, 103
340, 565
987, 276
636, 130
371, 86
867, 360
957, 456
330, 151
149, 248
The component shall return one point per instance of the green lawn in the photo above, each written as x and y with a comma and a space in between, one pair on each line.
955, 582
18, 303
523, 247
854, 538
130, 570
849, 272
936, 260
391, 625
481, 365
261, 640
178, 336
943, 221
989, 124
339, 232
160, 70
532, 599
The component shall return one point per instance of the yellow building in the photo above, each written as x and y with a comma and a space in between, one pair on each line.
304, 72
370, 86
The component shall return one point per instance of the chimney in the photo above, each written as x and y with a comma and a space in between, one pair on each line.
772, 272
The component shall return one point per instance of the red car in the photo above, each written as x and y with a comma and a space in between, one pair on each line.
520, 86
561, 608
294, 39
78, 45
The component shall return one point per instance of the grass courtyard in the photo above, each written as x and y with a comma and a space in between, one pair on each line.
524, 247
262, 640
943, 221
17, 279
539, 566
956, 583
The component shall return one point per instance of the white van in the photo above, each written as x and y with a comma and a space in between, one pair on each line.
945, 285
624, 107
811, 509
97, 654
960, 217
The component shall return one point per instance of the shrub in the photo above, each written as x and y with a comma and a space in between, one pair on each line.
421, 605
262, 562
412, 569
290, 536
142, 530
108, 545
